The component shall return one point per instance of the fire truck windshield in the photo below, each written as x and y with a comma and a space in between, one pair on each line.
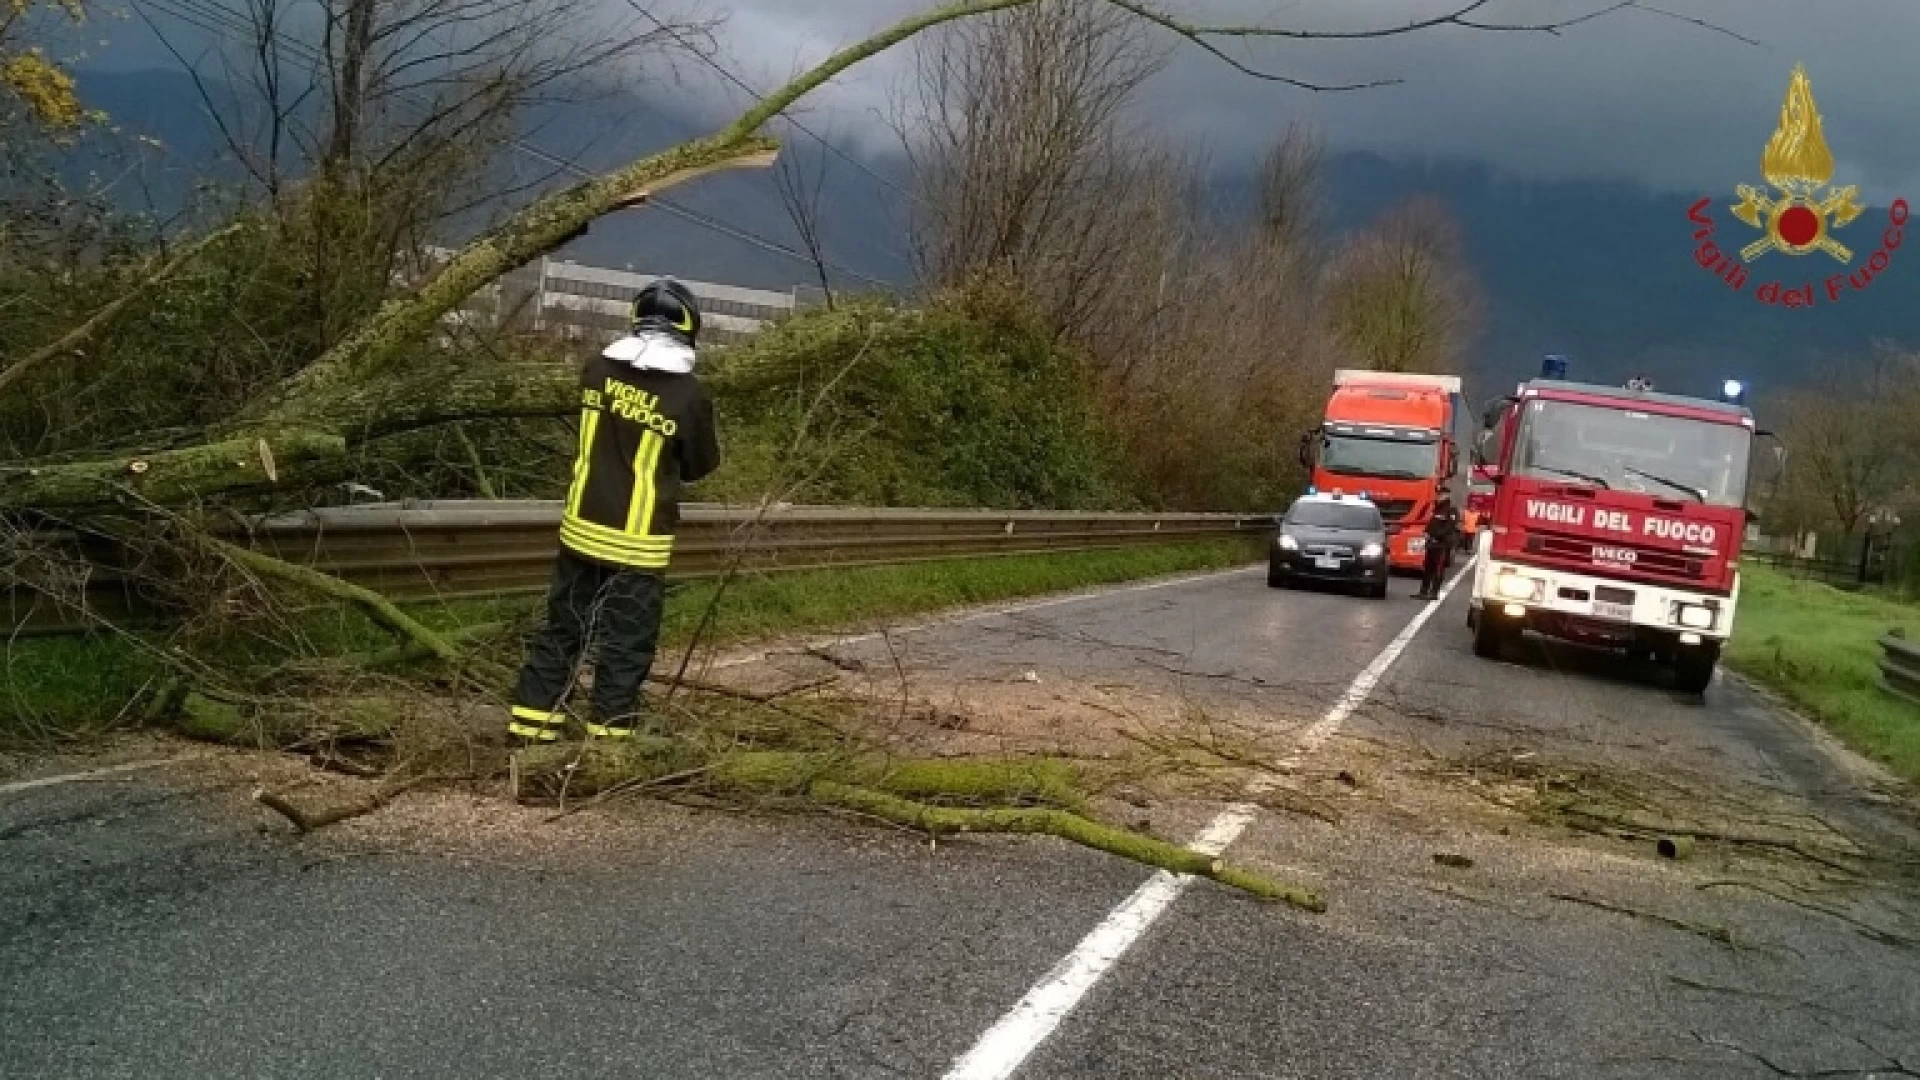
1631, 450
1398, 459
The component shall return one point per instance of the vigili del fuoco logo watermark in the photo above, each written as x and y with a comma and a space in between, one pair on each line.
1801, 219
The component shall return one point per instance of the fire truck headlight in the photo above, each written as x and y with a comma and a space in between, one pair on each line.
1516, 587
1696, 617
1371, 551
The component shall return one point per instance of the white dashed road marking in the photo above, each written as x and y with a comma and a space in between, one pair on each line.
1008, 1043
94, 774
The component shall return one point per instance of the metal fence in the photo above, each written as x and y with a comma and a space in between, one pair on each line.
1900, 668
457, 550
1879, 563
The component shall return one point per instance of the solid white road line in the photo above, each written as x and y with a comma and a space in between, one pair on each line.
94, 774
1006, 1046
975, 616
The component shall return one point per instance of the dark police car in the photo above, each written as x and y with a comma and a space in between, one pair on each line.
1330, 536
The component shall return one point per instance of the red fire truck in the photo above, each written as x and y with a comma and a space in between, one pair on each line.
1616, 519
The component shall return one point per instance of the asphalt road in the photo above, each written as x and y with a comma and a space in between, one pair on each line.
155, 929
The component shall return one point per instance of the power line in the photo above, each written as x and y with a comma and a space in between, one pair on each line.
238, 25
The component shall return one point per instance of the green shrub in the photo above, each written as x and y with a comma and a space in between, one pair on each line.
967, 402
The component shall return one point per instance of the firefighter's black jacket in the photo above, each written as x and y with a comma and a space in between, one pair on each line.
643, 433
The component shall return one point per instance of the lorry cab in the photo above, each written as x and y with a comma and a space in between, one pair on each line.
1393, 435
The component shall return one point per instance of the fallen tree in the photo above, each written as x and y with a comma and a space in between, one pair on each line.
377, 381
382, 379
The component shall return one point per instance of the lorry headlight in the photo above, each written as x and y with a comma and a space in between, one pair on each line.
1371, 551
1417, 544
1516, 587
1696, 617
1288, 543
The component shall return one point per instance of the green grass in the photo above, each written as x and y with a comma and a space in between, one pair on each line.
1818, 646
78, 687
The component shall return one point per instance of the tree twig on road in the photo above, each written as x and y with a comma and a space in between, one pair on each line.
1891, 1066
1860, 926
1719, 935
306, 821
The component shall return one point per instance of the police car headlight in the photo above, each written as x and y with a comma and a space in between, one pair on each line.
1696, 617
1516, 587
1371, 551
1288, 543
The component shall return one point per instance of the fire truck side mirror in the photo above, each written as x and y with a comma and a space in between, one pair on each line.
1306, 448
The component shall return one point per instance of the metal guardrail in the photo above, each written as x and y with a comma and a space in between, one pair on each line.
1900, 668
457, 550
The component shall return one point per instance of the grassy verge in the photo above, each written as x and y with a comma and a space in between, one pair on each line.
78, 687
1818, 646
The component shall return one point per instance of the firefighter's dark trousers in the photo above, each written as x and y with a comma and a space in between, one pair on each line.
617, 613
1435, 566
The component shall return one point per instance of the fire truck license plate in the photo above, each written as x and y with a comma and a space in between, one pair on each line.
1603, 609
1327, 562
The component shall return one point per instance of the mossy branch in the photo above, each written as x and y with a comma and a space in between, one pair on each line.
537, 229
167, 477
1062, 824
899, 791
378, 608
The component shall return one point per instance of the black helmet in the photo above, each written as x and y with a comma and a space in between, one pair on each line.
668, 306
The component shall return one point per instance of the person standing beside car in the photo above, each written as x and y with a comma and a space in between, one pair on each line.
1443, 531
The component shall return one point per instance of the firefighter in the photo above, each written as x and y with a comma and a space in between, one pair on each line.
646, 428
1443, 531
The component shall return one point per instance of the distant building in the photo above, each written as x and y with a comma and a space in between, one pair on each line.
576, 300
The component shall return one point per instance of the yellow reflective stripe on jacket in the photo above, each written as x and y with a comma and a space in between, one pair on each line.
612, 545
645, 461
589, 425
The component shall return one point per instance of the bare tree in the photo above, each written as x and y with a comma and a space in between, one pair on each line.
1292, 205
1851, 445
1401, 295
800, 194
1018, 151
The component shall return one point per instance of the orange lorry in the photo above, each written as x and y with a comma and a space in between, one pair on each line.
1396, 438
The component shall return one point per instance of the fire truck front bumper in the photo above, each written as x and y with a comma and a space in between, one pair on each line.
1601, 610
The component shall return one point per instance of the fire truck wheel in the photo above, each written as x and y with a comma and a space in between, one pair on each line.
1693, 667
1491, 634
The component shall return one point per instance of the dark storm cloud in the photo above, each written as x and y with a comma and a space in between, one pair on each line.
1635, 94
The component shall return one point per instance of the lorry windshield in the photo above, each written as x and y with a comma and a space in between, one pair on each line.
1399, 459
1672, 457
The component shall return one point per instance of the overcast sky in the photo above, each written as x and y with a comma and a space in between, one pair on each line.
1634, 94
